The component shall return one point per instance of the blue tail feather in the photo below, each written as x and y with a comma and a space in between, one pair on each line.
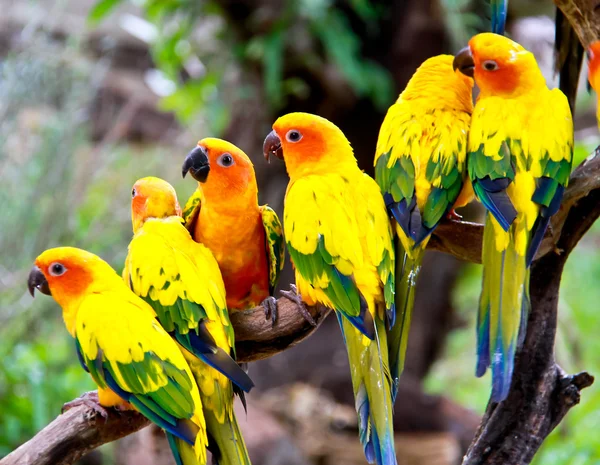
499, 11
483, 344
492, 193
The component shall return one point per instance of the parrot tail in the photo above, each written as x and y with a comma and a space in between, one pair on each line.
503, 311
372, 384
499, 10
185, 453
407, 272
225, 439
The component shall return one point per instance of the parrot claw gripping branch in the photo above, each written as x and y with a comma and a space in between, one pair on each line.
530, 393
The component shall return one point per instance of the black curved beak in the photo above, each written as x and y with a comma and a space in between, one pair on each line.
463, 61
196, 162
37, 280
272, 146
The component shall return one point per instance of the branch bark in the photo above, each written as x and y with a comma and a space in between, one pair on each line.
584, 16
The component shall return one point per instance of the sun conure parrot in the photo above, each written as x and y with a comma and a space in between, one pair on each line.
520, 153
420, 166
181, 280
340, 242
594, 73
224, 215
131, 358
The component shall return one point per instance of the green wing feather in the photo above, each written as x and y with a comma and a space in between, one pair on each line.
275, 244
191, 211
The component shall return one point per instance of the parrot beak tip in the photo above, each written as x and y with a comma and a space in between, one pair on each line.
197, 164
463, 62
272, 146
38, 281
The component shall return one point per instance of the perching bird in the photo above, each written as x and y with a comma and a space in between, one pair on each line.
224, 215
340, 241
131, 358
420, 166
520, 154
181, 280
594, 73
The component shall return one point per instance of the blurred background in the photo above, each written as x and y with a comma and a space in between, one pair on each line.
94, 95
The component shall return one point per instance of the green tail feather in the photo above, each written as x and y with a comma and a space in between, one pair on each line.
407, 272
372, 386
503, 310
225, 439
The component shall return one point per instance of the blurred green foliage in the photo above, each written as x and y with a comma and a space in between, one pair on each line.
331, 40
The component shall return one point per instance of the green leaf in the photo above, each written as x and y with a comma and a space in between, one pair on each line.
101, 10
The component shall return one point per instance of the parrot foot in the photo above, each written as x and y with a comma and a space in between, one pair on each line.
270, 307
452, 215
293, 295
90, 400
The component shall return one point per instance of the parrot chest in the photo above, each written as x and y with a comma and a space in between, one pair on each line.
238, 244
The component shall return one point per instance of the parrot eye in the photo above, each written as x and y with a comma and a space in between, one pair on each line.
225, 160
133, 192
490, 65
293, 135
56, 269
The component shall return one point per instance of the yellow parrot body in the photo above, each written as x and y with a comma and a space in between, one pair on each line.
340, 241
180, 279
420, 166
120, 343
520, 154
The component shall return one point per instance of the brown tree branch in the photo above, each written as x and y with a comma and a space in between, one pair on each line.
584, 16
509, 433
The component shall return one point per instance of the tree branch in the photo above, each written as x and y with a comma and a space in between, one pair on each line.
584, 17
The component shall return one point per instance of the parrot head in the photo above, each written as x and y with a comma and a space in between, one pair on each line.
152, 198
308, 144
222, 169
500, 66
437, 79
68, 274
594, 65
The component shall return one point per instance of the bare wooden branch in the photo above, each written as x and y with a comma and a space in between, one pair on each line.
584, 16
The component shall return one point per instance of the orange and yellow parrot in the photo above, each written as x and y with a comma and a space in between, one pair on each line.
181, 280
131, 358
224, 215
594, 73
340, 241
420, 166
520, 154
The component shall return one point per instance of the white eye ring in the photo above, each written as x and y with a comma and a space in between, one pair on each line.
490, 65
226, 160
56, 269
293, 136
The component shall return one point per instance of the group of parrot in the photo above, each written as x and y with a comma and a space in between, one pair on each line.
159, 339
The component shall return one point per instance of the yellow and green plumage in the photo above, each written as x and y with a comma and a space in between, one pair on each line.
120, 343
181, 280
420, 166
340, 242
520, 154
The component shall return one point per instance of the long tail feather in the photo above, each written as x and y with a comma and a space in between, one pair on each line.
184, 453
407, 272
503, 310
371, 382
499, 11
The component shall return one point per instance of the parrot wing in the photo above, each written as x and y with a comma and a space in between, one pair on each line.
274, 243
491, 166
555, 167
181, 280
128, 352
191, 211
333, 230
437, 140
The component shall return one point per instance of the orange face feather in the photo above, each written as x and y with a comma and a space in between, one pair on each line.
152, 198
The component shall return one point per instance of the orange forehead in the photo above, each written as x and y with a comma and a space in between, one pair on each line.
489, 46
77, 262
316, 133
594, 52
216, 147
151, 186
